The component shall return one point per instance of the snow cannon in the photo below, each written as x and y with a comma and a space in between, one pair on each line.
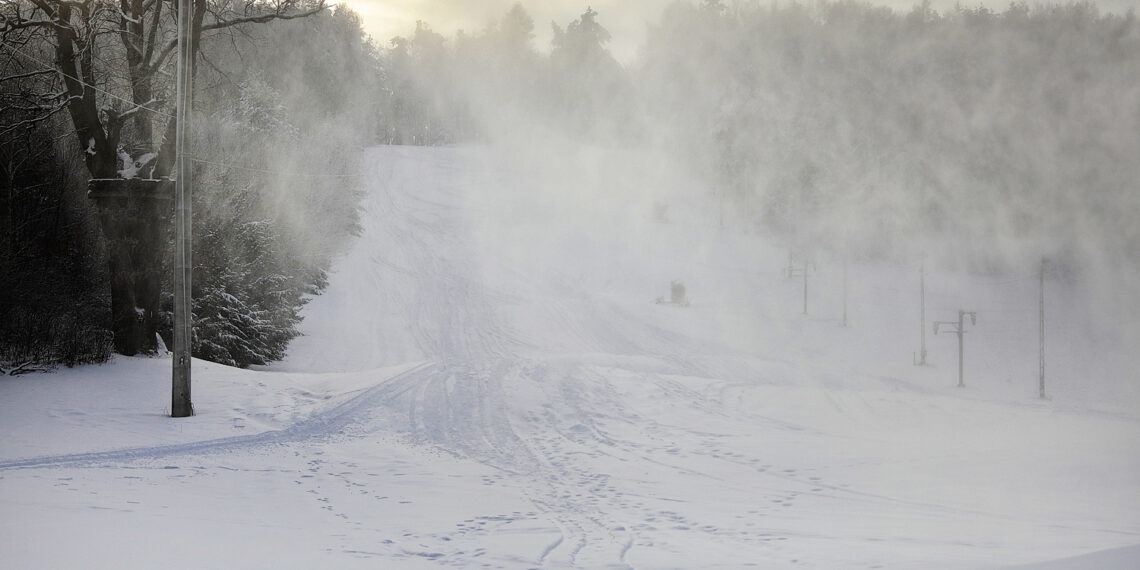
676, 295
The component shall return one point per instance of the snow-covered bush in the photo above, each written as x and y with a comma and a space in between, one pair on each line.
245, 308
271, 207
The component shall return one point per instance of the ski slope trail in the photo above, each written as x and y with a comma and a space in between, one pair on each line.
488, 382
637, 430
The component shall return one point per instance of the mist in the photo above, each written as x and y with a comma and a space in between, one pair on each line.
975, 141
707, 283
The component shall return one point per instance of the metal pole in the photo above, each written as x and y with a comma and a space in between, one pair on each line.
721, 206
845, 263
961, 331
922, 305
805, 285
1041, 330
180, 397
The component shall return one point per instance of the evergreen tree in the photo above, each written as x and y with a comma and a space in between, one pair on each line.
588, 86
246, 306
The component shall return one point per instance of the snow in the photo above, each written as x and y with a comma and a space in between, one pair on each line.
487, 382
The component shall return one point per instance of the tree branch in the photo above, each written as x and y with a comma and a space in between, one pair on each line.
263, 18
37, 107
137, 19
157, 62
17, 368
153, 33
29, 74
34, 120
221, 23
147, 106
10, 25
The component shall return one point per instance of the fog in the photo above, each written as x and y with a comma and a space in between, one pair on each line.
979, 140
628, 20
635, 284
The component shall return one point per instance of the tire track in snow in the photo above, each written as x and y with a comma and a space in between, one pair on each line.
321, 424
460, 406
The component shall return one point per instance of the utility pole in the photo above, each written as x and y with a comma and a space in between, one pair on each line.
181, 405
922, 311
1041, 329
792, 270
805, 285
959, 330
845, 263
721, 205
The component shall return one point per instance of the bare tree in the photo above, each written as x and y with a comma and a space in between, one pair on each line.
74, 31
63, 54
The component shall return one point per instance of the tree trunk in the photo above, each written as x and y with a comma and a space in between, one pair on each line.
98, 149
133, 213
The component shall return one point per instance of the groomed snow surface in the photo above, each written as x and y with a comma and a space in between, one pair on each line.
488, 383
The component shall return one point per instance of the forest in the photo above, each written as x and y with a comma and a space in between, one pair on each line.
984, 139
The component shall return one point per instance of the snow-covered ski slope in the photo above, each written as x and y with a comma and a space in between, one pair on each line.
488, 383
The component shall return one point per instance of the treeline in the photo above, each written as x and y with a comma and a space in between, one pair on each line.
977, 136
843, 125
984, 138
281, 109
54, 305
490, 84
284, 110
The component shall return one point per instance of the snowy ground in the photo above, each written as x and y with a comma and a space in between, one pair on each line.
487, 383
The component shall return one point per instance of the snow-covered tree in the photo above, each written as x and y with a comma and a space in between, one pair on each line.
246, 306
114, 82
587, 85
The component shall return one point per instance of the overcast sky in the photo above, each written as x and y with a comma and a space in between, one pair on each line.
625, 19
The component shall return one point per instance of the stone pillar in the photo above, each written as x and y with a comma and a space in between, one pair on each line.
135, 215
